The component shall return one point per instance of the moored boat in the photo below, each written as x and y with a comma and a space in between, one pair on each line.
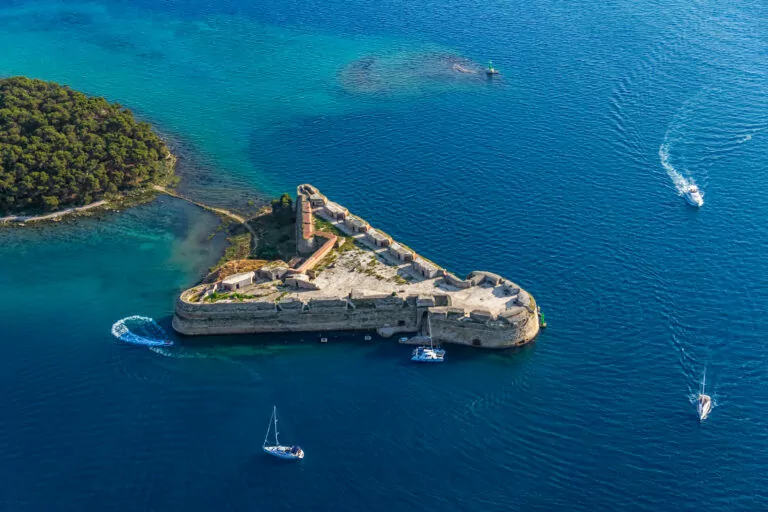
428, 355
293, 452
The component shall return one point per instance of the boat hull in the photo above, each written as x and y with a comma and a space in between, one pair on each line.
692, 200
704, 407
283, 452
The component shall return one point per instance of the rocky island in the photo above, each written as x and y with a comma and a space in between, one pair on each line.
348, 275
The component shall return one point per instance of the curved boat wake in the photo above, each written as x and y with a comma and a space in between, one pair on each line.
682, 184
140, 330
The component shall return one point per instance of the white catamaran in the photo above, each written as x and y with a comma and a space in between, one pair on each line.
428, 354
277, 450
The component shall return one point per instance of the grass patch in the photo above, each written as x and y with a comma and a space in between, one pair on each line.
348, 245
400, 279
216, 296
238, 249
325, 262
328, 227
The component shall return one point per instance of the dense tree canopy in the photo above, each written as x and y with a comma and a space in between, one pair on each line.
58, 147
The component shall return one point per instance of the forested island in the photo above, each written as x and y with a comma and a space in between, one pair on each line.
59, 148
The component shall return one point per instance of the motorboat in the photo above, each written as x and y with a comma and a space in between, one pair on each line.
277, 450
693, 196
704, 406
490, 70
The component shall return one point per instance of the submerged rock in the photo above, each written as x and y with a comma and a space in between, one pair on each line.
410, 73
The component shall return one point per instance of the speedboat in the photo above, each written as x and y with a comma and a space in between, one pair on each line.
704, 406
277, 450
428, 355
693, 196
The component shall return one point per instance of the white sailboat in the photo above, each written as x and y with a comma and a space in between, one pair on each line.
703, 401
277, 450
428, 354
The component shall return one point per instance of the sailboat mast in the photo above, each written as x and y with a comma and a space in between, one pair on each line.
274, 413
269, 427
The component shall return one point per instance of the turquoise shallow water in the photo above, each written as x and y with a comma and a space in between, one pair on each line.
561, 175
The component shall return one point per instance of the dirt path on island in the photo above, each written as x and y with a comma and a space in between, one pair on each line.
51, 216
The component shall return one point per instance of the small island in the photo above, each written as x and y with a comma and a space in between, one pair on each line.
336, 272
62, 149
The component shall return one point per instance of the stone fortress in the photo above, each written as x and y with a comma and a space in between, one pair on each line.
349, 275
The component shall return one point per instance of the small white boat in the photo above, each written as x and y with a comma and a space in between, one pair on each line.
277, 450
323, 340
428, 355
693, 196
704, 406
367, 338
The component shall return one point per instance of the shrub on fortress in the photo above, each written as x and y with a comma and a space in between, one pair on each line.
59, 147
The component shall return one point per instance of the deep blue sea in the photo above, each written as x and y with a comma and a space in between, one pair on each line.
562, 174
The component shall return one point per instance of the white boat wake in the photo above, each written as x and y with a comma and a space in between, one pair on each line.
140, 330
682, 184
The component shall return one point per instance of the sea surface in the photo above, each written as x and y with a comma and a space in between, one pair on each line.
563, 174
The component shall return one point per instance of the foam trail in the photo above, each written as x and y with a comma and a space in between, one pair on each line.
680, 182
140, 330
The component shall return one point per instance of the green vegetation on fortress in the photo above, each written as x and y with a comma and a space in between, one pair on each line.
59, 147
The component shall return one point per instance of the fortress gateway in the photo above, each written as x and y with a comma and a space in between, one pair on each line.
349, 275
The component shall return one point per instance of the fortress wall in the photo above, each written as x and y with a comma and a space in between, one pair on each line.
305, 241
452, 280
327, 247
490, 334
241, 318
448, 324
